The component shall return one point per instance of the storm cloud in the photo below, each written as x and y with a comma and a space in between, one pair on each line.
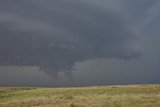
54, 35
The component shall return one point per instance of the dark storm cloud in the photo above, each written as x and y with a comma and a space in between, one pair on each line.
55, 35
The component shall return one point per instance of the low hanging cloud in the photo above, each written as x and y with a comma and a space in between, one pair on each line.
55, 35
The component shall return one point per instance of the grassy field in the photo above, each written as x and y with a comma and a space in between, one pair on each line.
99, 96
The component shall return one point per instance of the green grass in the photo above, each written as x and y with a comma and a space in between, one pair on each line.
98, 96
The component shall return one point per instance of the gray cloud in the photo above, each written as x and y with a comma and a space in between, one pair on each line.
55, 35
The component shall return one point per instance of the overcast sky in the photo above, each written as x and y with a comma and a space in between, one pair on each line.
79, 42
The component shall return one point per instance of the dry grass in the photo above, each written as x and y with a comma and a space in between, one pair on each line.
100, 96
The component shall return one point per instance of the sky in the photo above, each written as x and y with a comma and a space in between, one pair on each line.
79, 42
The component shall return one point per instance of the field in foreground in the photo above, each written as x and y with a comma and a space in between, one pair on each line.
100, 96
